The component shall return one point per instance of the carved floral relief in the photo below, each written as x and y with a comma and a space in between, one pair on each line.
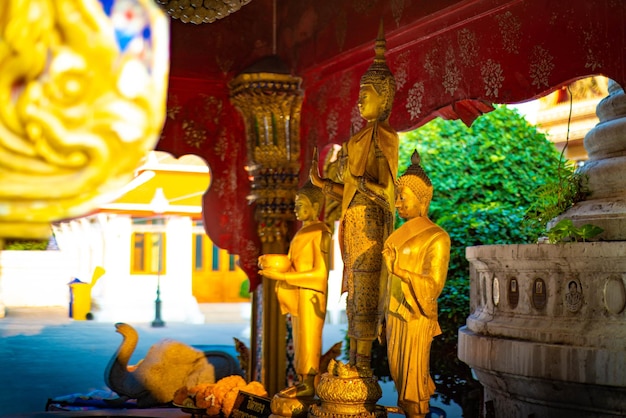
492, 76
541, 66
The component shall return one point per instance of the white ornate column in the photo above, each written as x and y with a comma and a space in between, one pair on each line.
3, 309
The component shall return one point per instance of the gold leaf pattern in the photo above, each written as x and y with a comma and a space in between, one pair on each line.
219, 187
221, 146
592, 62
332, 125
363, 6
357, 121
468, 47
344, 88
397, 9
430, 63
401, 73
194, 134
173, 108
452, 74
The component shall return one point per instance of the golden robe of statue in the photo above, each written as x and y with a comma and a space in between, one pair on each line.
417, 256
304, 295
367, 219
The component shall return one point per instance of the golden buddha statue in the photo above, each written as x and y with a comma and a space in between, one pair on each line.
417, 256
366, 194
83, 84
301, 289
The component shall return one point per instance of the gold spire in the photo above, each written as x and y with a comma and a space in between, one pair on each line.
380, 47
379, 71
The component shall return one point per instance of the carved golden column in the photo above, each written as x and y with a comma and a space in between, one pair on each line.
270, 101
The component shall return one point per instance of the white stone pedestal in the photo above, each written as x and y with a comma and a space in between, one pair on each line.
547, 332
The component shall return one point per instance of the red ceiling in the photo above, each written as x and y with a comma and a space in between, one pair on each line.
308, 33
451, 58
457, 55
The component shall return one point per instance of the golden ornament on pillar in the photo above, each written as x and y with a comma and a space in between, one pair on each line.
201, 11
83, 87
270, 100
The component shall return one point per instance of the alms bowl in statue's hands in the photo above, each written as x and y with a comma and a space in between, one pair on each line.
277, 262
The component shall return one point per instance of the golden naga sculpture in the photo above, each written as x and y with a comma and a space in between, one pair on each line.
301, 289
366, 194
417, 256
83, 86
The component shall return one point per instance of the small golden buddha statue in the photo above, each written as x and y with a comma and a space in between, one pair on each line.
366, 194
417, 256
302, 287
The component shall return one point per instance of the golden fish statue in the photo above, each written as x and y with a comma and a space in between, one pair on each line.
83, 85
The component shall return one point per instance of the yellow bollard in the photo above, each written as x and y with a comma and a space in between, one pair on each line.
81, 300
81, 295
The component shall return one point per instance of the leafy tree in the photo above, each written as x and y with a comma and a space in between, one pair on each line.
25, 245
485, 179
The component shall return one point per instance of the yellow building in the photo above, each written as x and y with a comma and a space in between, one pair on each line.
166, 187
567, 114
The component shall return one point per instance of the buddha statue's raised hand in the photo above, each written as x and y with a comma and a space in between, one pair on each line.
314, 172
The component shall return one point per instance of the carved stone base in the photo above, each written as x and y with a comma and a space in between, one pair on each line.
547, 331
347, 397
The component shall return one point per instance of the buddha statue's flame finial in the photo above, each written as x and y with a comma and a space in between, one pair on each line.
380, 47
378, 71
416, 179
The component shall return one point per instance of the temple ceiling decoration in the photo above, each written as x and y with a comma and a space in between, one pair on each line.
201, 11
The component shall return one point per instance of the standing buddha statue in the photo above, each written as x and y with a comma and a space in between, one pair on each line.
417, 256
366, 194
302, 290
